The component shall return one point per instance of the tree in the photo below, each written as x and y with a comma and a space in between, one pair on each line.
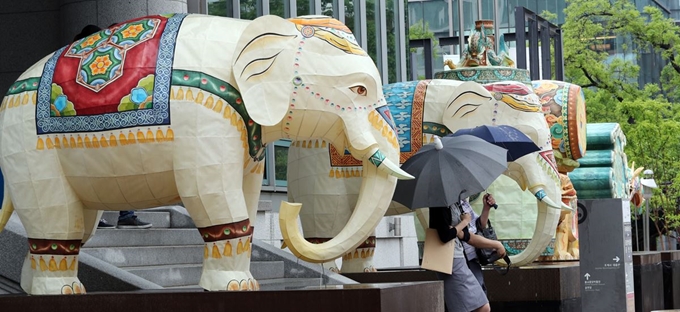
648, 114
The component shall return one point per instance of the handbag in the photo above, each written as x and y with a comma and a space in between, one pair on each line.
487, 256
437, 256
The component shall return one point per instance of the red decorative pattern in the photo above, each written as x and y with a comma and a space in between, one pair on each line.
139, 62
417, 110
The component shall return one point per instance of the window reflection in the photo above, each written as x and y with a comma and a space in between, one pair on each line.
248, 9
281, 162
217, 7
278, 8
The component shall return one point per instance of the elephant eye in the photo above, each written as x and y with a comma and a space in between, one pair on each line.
360, 90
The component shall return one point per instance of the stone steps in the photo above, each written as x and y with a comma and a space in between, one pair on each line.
170, 257
189, 274
144, 237
159, 219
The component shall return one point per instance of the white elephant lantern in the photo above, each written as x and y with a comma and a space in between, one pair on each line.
178, 107
420, 110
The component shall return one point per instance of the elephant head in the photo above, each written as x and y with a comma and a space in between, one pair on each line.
308, 78
514, 104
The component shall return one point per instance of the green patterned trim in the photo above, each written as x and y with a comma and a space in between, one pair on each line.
486, 74
377, 158
435, 129
516, 246
30, 84
229, 94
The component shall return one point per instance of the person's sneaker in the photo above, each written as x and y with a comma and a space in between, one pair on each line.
104, 225
133, 223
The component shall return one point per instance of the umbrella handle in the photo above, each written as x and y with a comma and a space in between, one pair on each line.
494, 206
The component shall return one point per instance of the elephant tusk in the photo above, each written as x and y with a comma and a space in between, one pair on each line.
387, 166
540, 195
566, 207
390, 168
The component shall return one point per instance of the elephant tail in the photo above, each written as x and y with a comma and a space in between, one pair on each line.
6, 209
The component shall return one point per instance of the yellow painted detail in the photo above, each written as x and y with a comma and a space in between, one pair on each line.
53, 264
218, 105
74, 264
33, 264
239, 247
216, 252
40, 145
63, 265
227, 249
79, 143
50, 145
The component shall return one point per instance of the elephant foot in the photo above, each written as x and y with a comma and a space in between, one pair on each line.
213, 280
360, 259
51, 268
226, 257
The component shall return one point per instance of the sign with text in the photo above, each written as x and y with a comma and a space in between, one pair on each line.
606, 255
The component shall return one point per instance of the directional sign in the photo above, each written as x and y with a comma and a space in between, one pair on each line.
606, 284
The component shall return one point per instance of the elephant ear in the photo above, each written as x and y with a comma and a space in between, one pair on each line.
263, 67
468, 98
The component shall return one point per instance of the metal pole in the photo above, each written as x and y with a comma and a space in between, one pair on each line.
479, 9
520, 38
645, 226
637, 232
496, 25
450, 7
461, 28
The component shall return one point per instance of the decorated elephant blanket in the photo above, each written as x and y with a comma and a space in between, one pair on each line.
122, 79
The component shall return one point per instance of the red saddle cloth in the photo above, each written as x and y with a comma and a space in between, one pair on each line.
122, 73
97, 72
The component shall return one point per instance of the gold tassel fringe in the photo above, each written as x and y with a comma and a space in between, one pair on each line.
59, 141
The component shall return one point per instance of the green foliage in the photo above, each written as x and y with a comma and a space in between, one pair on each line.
648, 115
421, 30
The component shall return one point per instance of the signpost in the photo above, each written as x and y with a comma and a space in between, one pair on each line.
606, 251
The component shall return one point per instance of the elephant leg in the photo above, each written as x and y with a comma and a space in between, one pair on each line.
226, 257
51, 267
90, 220
211, 188
562, 237
52, 215
252, 185
361, 258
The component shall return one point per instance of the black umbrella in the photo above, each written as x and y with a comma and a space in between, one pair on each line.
517, 143
450, 169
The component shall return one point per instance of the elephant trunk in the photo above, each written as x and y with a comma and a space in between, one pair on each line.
376, 191
546, 223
